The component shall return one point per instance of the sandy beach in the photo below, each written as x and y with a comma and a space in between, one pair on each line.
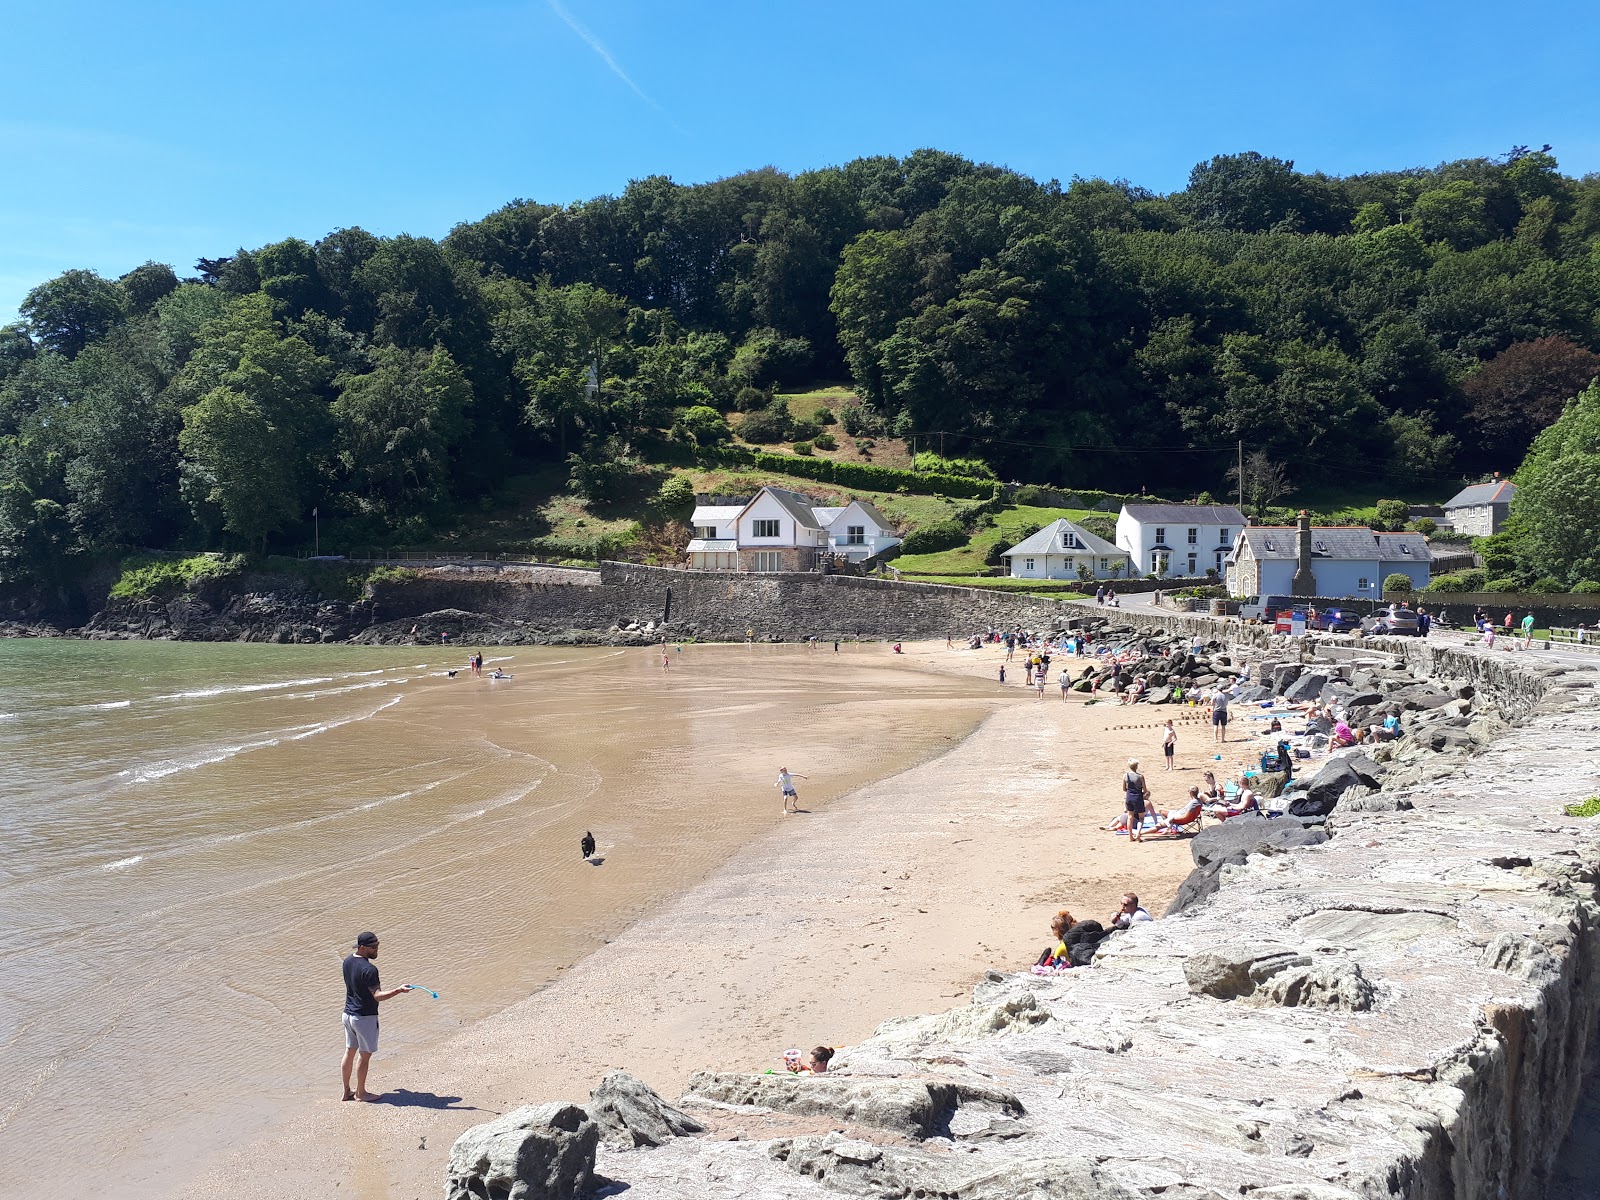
890, 900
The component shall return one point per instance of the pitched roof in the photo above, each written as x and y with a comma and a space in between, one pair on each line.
1336, 542
1052, 540
793, 503
1482, 493
715, 514
1179, 514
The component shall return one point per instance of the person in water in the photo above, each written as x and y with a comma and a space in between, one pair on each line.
362, 995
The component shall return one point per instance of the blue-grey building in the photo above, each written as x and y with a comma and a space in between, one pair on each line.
1331, 560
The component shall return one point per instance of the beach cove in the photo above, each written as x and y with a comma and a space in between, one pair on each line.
991, 840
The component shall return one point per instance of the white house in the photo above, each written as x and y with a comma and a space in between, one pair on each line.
1062, 550
1179, 539
1333, 561
780, 530
1481, 509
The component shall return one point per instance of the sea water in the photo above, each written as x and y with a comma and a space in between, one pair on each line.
194, 833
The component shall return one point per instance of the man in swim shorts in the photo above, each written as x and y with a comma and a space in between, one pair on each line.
362, 996
1219, 715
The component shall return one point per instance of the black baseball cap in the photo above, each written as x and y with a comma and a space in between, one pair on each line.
367, 939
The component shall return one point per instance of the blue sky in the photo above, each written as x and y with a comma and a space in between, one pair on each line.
173, 130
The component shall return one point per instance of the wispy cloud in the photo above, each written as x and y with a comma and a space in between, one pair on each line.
599, 47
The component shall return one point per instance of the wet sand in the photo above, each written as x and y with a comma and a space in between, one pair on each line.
889, 900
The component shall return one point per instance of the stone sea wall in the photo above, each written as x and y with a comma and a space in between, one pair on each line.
1404, 1005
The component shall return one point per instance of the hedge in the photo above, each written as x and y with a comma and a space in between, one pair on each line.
865, 476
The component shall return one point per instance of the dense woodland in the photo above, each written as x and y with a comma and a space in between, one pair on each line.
1408, 328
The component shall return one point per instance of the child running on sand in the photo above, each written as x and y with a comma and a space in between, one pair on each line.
786, 783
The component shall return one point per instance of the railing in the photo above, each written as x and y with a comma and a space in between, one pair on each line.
1575, 639
871, 545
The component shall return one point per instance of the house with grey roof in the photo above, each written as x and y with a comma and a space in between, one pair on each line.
1481, 509
1178, 539
1062, 550
780, 530
1326, 560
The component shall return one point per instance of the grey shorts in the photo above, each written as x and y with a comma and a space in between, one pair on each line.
361, 1033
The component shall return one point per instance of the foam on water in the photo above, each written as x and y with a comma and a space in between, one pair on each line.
122, 864
207, 693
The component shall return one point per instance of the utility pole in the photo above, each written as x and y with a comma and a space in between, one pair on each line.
1241, 474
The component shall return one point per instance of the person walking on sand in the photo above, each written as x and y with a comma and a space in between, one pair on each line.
1066, 685
1002, 672
786, 784
1169, 743
362, 995
1135, 795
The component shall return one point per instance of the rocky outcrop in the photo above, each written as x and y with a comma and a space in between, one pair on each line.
630, 1114
542, 1152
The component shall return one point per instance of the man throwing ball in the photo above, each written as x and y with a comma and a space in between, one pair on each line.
361, 999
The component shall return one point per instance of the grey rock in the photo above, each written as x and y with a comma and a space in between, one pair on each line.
1253, 835
1419, 697
1335, 985
1374, 802
1253, 694
1307, 687
1520, 955
1322, 790
630, 1114
1283, 675
911, 1108
1237, 969
541, 1152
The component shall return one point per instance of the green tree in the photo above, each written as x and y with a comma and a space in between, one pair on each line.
1558, 495
72, 310
1456, 214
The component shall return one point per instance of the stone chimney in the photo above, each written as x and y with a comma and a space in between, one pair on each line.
1304, 582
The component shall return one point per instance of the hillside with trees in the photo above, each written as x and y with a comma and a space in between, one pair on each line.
1405, 329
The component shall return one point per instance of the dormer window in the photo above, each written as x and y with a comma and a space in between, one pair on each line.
1322, 547
1271, 545
1071, 539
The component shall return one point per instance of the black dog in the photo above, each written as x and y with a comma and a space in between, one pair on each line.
587, 845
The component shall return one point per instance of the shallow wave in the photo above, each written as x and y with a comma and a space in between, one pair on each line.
206, 693
109, 704
122, 864
297, 733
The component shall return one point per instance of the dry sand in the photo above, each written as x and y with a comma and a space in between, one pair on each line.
889, 901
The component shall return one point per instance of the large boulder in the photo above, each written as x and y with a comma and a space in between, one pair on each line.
1253, 835
1283, 675
1419, 697
911, 1108
541, 1152
1306, 688
1321, 794
1237, 969
630, 1114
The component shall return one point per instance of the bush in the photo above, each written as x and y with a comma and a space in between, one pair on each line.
1426, 526
1392, 513
825, 441
1030, 495
702, 425
867, 476
766, 425
992, 556
804, 430
975, 468
748, 399
1459, 581
802, 448
1585, 587
942, 535
145, 576
824, 416
1506, 584
858, 419
1101, 527
675, 497
1397, 583
1547, 585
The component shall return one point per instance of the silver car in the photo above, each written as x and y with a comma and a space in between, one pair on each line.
1396, 620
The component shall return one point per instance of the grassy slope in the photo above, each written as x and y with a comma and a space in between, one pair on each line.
968, 559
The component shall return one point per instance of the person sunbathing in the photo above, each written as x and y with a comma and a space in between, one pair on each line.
1210, 793
1243, 802
1179, 819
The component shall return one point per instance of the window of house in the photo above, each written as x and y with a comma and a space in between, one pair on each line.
1363, 584
1161, 534
768, 560
1071, 539
855, 535
1222, 535
1105, 564
1194, 537
1027, 564
1158, 563
764, 529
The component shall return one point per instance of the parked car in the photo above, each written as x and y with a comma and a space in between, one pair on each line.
1336, 620
1263, 608
1393, 621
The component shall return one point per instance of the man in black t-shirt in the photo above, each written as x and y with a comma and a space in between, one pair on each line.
362, 996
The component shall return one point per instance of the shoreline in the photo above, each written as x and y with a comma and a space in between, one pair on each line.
815, 930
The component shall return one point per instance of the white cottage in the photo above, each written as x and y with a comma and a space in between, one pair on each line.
1062, 550
781, 530
1179, 539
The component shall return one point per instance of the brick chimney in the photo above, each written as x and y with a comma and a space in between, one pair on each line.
1304, 582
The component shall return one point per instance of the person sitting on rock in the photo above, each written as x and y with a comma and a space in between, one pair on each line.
1056, 957
1130, 913
1343, 735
